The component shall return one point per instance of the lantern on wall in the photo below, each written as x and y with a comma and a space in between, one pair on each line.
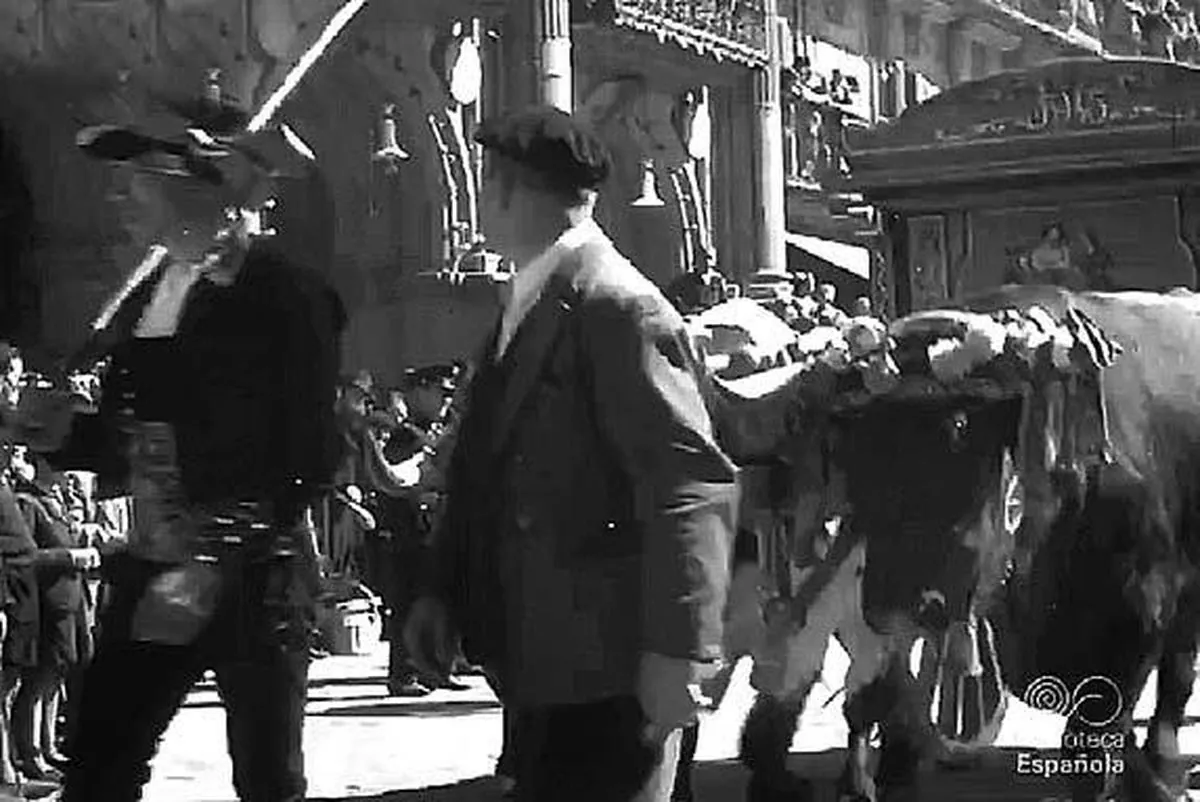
389, 153
649, 198
455, 59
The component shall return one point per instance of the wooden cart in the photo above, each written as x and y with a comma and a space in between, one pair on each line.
1083, 172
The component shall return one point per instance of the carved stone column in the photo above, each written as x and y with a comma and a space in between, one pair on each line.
768, 122
552, 29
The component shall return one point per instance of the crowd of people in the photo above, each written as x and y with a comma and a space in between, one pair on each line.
381, 521
564, 520
804, 305
52, 533
795, 297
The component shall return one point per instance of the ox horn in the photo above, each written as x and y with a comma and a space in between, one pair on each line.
753, 414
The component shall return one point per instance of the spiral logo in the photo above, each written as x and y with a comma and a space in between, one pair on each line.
1096, 700
1050, 694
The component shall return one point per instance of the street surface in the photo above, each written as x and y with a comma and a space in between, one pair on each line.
362, 744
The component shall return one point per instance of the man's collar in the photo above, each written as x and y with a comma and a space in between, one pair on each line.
570, 239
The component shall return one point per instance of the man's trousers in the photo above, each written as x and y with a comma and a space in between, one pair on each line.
396, 563
594, 752
256, 644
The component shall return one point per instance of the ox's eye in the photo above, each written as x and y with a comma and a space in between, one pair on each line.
956, 430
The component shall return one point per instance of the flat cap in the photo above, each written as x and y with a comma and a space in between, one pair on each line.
551, 142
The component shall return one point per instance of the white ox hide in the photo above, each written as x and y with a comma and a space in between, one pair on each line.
786, 482
740, 337
822, 600
791, 655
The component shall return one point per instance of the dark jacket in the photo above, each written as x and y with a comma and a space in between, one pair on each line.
60, 585
590, 514
20, 587
248, 382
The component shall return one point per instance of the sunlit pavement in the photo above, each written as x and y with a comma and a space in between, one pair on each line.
440, 748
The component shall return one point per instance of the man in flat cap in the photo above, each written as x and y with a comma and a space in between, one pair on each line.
217, 416
583, 555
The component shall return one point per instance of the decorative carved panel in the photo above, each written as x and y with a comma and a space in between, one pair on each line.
927, 261
1062, 96
1122, 243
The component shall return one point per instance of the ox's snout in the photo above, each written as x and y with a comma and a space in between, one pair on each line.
931, 612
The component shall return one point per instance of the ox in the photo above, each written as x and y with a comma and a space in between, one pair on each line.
1066, 514
762, 423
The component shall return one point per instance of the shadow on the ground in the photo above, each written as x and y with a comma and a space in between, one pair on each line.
993, 778
408, 707
1188, 721
372, 679
211, 702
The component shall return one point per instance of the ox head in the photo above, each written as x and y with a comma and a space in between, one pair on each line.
932, 488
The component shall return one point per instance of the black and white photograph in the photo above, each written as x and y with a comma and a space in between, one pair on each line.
599, 400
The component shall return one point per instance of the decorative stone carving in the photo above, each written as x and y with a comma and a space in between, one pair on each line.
814, 139
1076, 95
1066, 257
725, 29
927, 261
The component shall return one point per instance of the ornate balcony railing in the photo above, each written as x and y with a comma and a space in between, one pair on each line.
723, 29
814, 131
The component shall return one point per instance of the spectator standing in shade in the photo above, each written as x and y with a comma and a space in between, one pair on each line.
63, 642
18, 577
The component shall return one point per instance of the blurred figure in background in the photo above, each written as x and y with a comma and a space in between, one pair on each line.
417, 421
19, 621
99, 529
862, 307
64, 644
828, 313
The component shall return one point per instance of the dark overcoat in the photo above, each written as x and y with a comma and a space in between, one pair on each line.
590, 513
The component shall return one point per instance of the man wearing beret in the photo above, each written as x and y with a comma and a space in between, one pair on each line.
217, 417
584, 552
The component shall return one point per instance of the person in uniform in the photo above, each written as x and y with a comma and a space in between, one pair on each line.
583, 555
217, 416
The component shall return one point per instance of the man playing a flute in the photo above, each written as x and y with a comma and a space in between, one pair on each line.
217, 416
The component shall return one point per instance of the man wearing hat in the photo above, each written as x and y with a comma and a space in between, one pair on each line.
217, 416
583, 555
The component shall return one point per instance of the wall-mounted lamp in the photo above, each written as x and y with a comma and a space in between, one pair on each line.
389, 153
212, 86
649, 197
